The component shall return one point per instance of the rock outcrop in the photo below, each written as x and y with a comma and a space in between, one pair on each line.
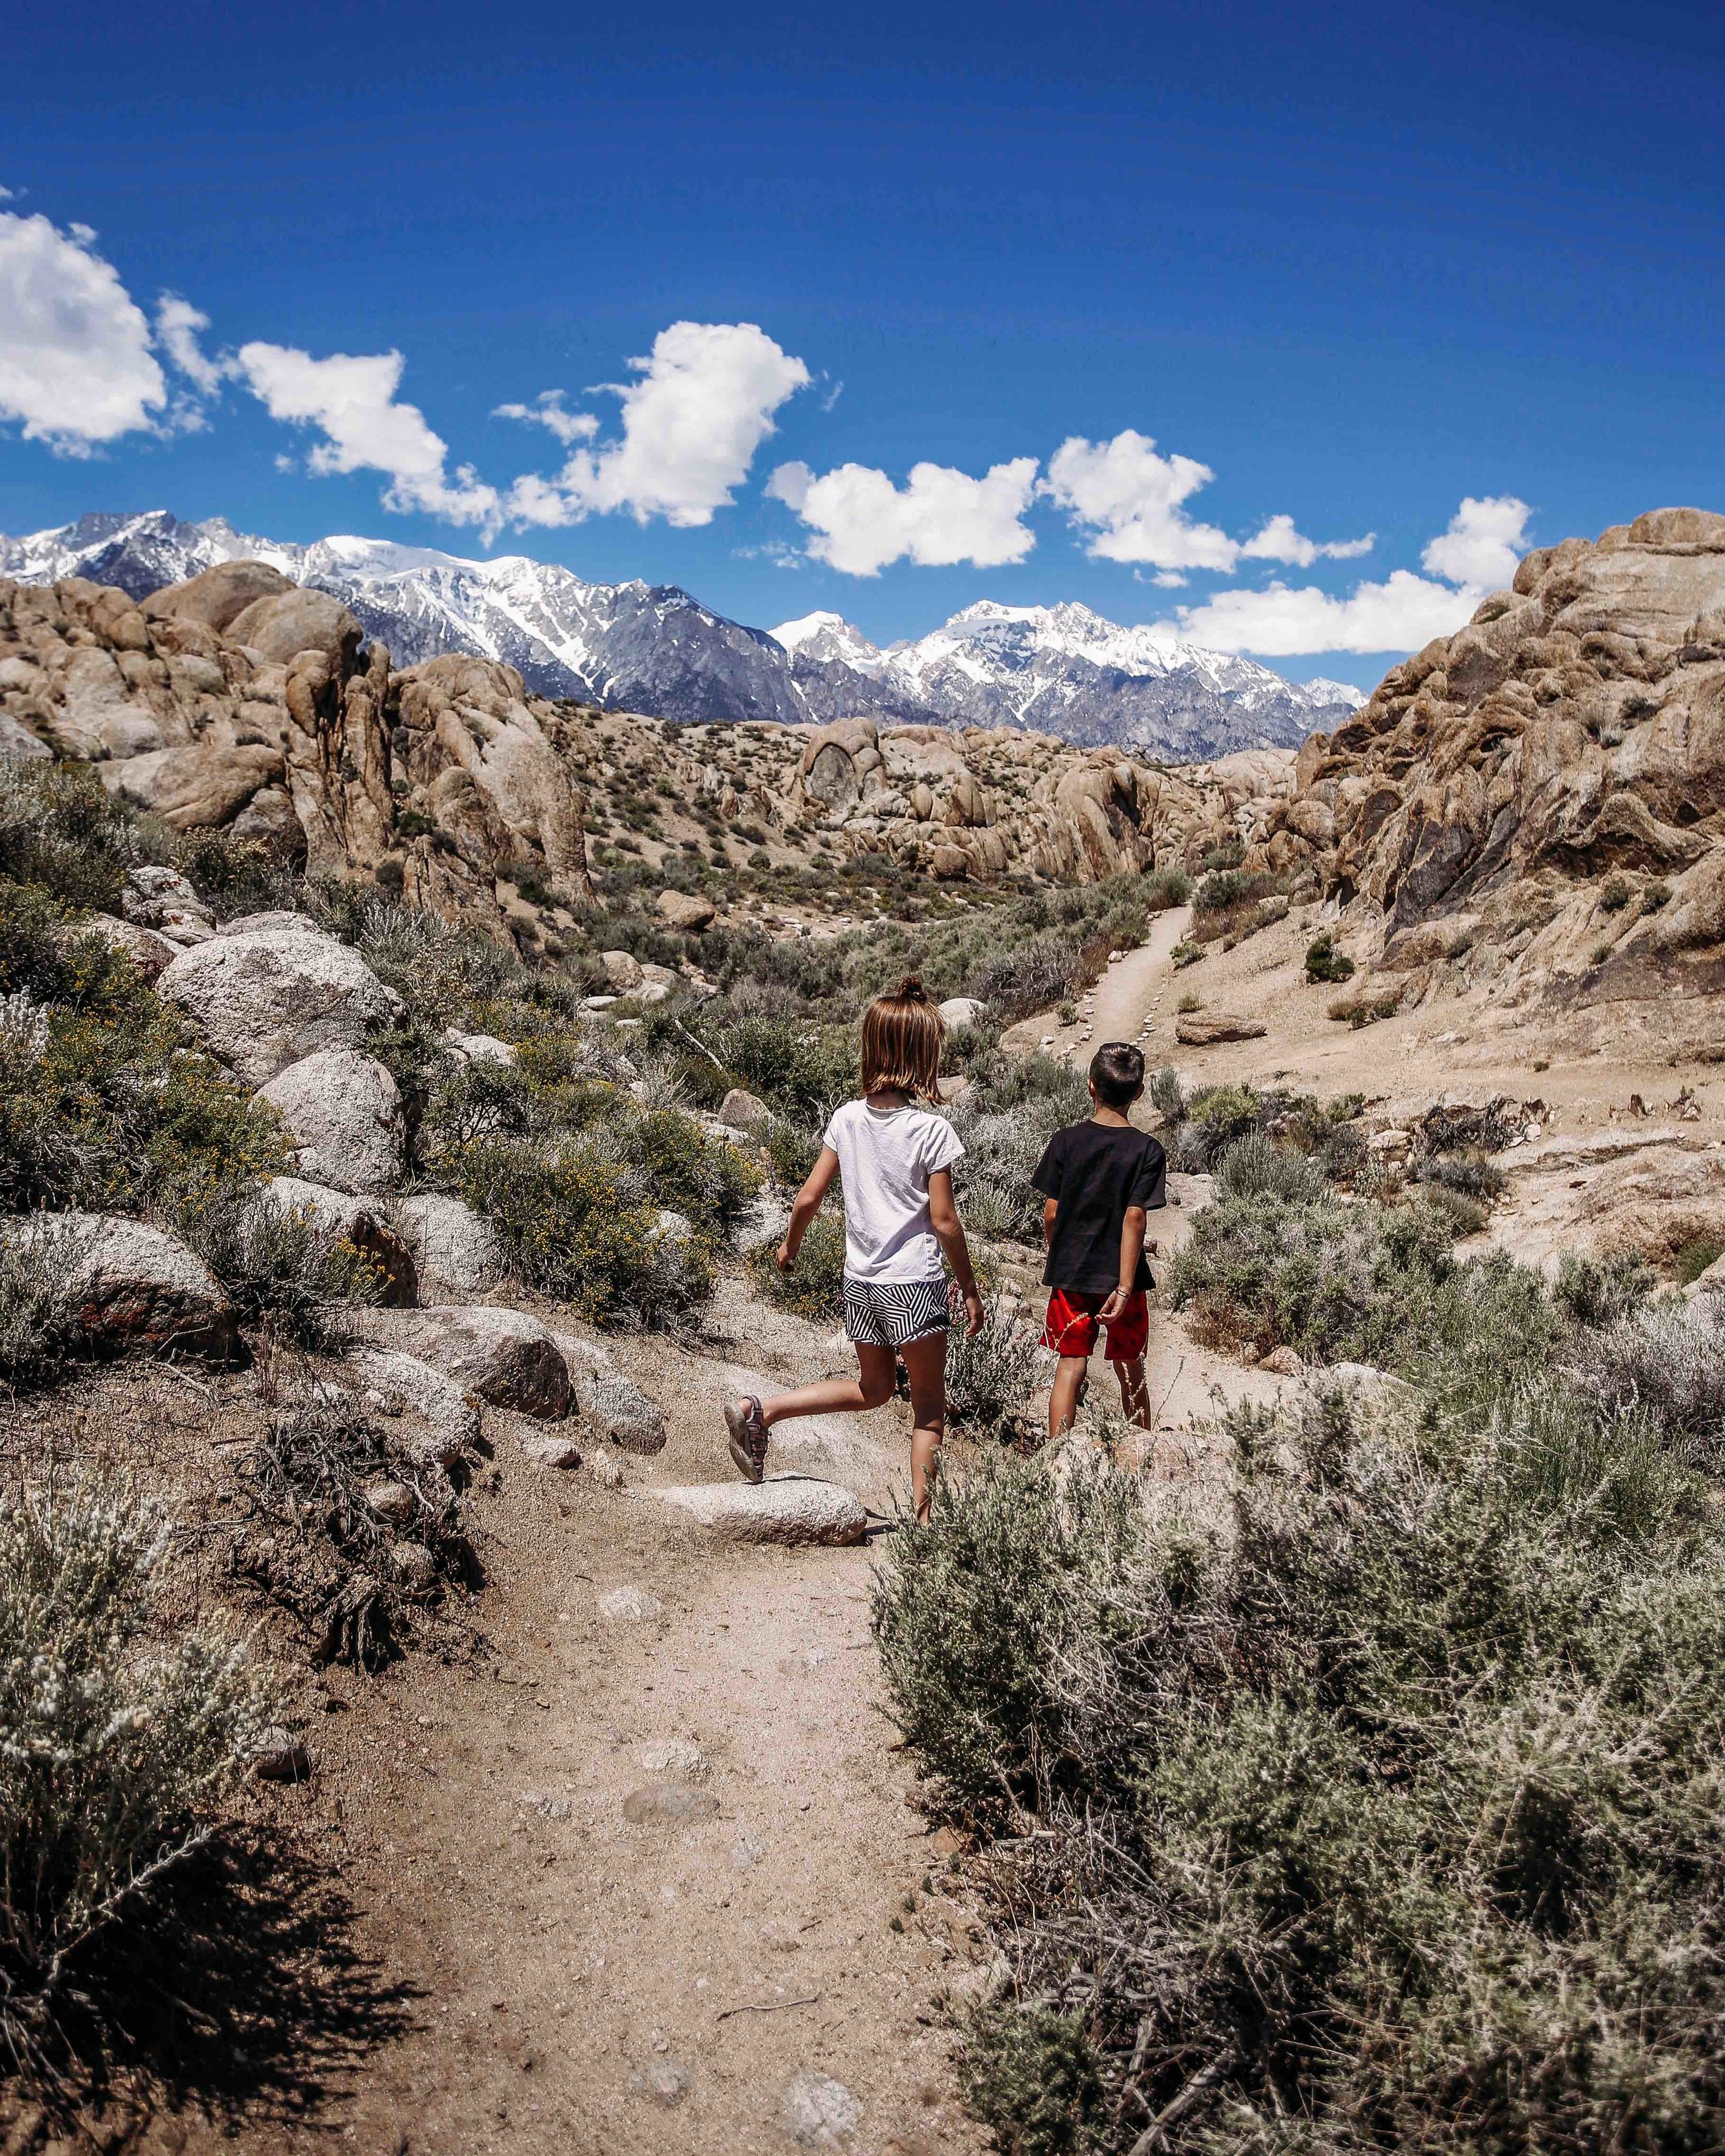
266, 1000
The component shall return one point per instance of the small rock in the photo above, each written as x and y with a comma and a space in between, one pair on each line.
616, 1406
668, 1803
552, 1451
414, 1566
682, 910
504, 1357
437, 1400
633, 1603
478, 1047
280, 1757
747, 1851
598, 1002
666, 2081
149, 951
392, 1502
678, 1758
782, 1937
1389, 1141
818, 2113
743, 1111
547, 1807
607, 1469
1284, 1361
963, 1010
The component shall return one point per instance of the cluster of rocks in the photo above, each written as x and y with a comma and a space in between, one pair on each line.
1536, 804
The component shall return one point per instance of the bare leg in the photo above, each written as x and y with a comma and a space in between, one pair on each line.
1134, 1392
926, 1366
871, 1388
1063, 1401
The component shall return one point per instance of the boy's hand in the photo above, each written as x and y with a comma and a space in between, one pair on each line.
1112, 1307
784, 1257
975, 1316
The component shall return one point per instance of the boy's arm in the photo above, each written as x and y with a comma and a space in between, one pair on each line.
808, 1205
1132, 1248
1050, 1210
949, 1232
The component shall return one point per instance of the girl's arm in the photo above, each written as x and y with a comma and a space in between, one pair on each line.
808, 1205
949, 1232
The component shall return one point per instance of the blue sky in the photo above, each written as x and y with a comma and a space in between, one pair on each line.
1431, 273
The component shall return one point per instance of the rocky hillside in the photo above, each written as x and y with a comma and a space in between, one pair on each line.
239, 701
1534, 808
652, 648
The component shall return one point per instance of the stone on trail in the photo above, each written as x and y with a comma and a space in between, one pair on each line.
414, 1566
617, 1407
668, 1803
1205, 1028
631, 1604
789, 1509
403, 1383
551, 1451
606, 1469
666, 2081
343, 1113
678, 1758
504, 1356
278, 1756
266, 1000
818, 2113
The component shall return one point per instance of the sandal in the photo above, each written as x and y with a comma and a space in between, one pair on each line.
748, 1438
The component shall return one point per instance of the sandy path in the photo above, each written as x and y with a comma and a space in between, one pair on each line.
1133, 987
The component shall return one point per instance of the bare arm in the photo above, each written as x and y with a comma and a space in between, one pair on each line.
808, 1205
949, 1234
1050, 1210
1132, 1248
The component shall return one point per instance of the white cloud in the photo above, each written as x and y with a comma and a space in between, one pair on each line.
862, 521
1487, 538
75, 364
691, 423
1280, 542
1477, 553
350, 399
1130, 499
177, 323
547, 410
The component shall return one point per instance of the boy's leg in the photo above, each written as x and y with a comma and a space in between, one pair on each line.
1063, 1401
926, 1367
1134, 1392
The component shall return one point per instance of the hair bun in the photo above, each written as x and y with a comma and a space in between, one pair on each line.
911, 990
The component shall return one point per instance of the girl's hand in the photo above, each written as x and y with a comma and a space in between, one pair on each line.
784, 1257
975, 1316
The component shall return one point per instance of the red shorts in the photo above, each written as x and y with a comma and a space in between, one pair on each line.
1071, 1328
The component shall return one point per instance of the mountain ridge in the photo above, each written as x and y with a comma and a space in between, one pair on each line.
1062, 670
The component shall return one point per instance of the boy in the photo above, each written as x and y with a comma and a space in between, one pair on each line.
1100, 1178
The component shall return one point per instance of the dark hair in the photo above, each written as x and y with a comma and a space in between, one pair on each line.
1117, 1070
901, 1040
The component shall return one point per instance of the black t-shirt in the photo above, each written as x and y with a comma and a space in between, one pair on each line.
1094, 1170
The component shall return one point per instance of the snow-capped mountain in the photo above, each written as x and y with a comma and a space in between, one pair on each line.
640, 647
1065, 670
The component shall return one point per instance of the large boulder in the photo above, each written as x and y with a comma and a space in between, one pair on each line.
682, 909
193, 787
343, 1112
150, 953
504, 1357
267, 1000
218, 596
1205, 1028
134, 1287
284, 624
458, 1252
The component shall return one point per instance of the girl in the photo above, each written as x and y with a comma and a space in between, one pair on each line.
896, 1160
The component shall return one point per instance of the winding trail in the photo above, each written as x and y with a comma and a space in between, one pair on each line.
1135, 986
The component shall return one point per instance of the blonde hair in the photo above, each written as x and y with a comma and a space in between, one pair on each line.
902, 1036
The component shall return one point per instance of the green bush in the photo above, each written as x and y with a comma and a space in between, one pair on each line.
814, 1286
1032, 2076
276, 1265
38, 1309
62, 832
990, 1379
1166, 888
117, 1751
1325, 962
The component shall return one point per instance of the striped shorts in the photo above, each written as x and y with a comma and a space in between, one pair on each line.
887, 1313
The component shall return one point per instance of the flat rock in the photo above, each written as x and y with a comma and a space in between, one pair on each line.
631, 1605
668, 1803
1205, 1028
343, 1112
406, 1385
478, 1047
677, 1759
504, 1357
818, 2113
270, 999
457, 1252
789, 1509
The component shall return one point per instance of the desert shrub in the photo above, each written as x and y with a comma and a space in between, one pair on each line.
1614, 893
117, 1751
1383, 1819
1696, 1254
814, 1286
232, 875
1166, 1095
1013, 1109
1325, 962
989, 1379
1351, 1282
1033, 977
706, 1178
582, 1223
323, 1554
38, 1309
276, 1265
1472, 1171
1165, 888
1598, 1291
1667, 1361
1256, 1166
1215, 1116
793, 1149
1225, 855
1186, 954
62, 831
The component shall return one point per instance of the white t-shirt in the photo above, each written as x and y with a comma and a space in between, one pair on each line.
885, 1158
